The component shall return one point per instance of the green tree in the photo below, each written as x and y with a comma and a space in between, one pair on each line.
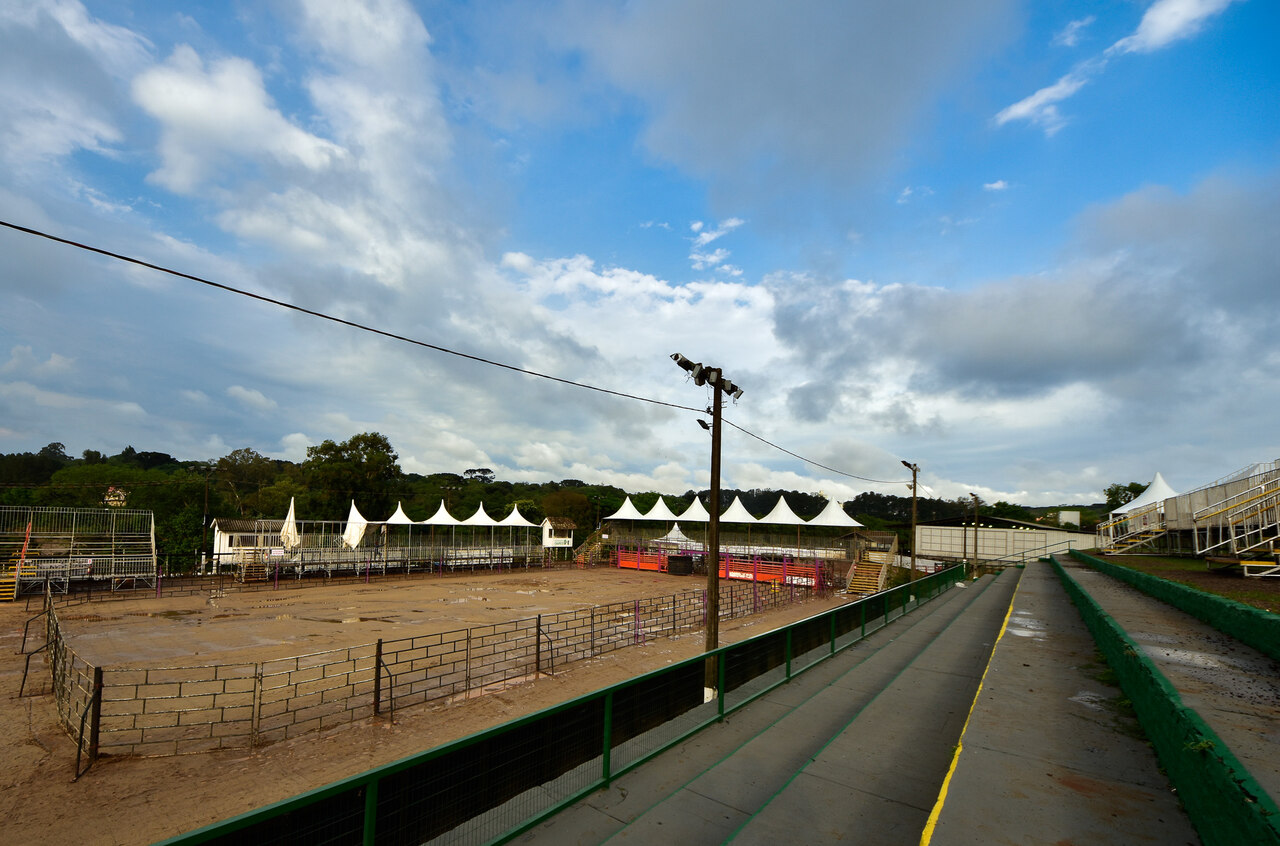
241, 477
572, 505
1119, 493
364, 467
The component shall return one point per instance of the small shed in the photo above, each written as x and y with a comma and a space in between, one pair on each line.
557, 532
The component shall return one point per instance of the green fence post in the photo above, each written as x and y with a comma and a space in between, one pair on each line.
606, 753
832, 620
788, 652
862, 606
370, 812
720, 662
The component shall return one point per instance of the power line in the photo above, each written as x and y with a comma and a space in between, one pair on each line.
815, 463
397, 337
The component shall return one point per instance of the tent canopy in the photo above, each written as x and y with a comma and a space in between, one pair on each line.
695, 513
399, 518
442, 517
356, 524
1156, 492
782, 514
834, 515
660, 511
628, 511
515, 518
737, 513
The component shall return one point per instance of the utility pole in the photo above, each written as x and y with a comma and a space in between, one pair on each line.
915, 471
720, 386
975, 528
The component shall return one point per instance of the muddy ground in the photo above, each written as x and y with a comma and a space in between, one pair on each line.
141, 800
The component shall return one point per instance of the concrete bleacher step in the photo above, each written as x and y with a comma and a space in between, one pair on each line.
713, 785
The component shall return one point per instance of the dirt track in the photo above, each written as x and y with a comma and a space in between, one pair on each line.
141, 800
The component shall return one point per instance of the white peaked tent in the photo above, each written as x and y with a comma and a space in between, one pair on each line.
399, 518
782, 514
1157, 491
660, 511
626, 512
480, 518
289, 537
442, 517
737, 513
676, 537
515, 518
356, 524
695, 513
834, 515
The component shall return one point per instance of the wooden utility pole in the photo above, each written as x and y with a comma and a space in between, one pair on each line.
915, 471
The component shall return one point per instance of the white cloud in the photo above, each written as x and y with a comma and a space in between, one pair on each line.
253, 398
1041, 108
1167, 21
998, 185
212, 116
1069, 35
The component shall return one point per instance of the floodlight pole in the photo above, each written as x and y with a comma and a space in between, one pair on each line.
713, 532
915, 470
975, 531
714, 377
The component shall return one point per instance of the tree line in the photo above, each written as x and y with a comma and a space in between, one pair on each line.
186, 495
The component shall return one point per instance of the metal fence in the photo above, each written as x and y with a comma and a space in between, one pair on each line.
183, 710
492, 786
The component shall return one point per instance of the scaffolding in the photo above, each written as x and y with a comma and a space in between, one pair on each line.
62, 546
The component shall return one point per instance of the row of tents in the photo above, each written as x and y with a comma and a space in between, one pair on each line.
832, 515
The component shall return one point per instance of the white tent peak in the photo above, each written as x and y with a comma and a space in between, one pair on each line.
1157, 491
628, 511
515, 518
399, 518
356, 524
834, 515
442, 517
737, 513
782, 514
695, 513
480, 518
289, 537
660, 511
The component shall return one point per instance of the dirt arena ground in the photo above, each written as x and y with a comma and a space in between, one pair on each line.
141, 800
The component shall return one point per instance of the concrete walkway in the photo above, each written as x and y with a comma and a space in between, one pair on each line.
1233, 687
856, 747
1048, 755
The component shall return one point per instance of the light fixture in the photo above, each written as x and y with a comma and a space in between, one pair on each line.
703, 424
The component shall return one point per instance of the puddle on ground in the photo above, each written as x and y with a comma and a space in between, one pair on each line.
1088, 699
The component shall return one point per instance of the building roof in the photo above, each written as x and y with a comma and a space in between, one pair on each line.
560, 523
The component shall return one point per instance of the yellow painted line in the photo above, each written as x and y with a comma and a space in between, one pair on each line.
927, 834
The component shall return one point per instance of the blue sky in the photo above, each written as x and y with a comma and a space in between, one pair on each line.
1029, 246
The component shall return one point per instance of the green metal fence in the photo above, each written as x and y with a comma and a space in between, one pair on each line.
493, 785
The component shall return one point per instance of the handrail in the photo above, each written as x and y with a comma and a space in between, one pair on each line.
1142, 512
1244, 497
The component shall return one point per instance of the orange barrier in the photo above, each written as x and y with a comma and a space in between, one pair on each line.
656, 561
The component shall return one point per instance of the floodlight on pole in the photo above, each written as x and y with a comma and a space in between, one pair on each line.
713, 376
975, 526
915, 473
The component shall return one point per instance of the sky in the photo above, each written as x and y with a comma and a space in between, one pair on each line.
1032, 247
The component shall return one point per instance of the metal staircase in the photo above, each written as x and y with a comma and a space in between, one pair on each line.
1134, 531
875, 555
588, 553
1247, 525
